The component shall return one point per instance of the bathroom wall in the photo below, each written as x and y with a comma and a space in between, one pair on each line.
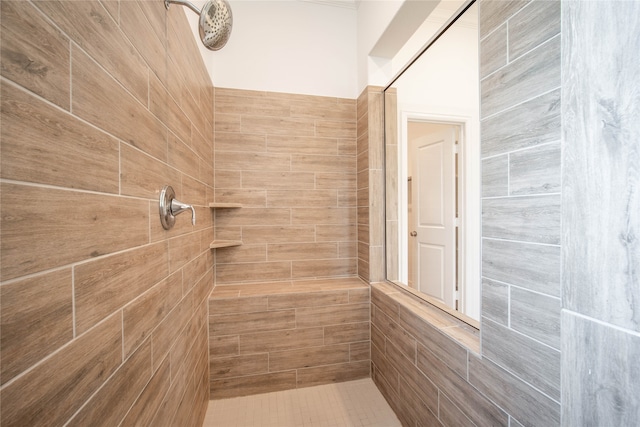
290, 161
103, 312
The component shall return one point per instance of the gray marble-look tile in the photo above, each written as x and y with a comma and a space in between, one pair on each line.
531, 266
533, 25
495, 176
518, 398
535, 171
600, 373
536, 315
494, 13
527, 77
495, 301
601, 161
530, 360
493, 51
530, 219
529, 124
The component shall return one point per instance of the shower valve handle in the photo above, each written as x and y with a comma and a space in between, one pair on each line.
170, 207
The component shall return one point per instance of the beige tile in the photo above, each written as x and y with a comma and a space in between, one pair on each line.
232, 141
275, 234
323, 268
112, 402
278, 180
347, 147
302, 145
336, 129
165, 334
308, 357
97, 225
341, 372
195, 269
340, 216
182, 249
359, 351
150, 399
322, 164
395, 334
341, 180
141, 316
247, 272
222, 346
254, 384
238, 323
302, 198
347, 198
307, 299
346, 333
181, 156
331, 315
144, 176
227, 179
251, 105
247, 198
36, 319
89, 25
107, 284
253, 161
244, 253
95, 92
330, 283
359, 295
227, 122
277, 126
280, 340
237, 305
42, 144
333, 233
252, 216
301, 251
51, 392
42, 71
239, 366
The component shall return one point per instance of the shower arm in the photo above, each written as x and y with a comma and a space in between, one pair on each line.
182, 3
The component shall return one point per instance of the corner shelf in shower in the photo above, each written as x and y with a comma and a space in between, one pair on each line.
224, 243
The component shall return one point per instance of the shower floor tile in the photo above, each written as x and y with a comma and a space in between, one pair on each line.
349, 404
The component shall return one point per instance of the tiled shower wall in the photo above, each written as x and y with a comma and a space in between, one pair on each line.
103, 312
290, 161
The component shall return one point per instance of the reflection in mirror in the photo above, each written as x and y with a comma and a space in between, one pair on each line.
433, 173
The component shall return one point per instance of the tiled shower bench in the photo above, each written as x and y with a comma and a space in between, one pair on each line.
275, 336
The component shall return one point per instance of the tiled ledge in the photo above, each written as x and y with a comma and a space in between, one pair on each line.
274, 336
456, 329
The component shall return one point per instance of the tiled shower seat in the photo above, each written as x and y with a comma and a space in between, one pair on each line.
274, 336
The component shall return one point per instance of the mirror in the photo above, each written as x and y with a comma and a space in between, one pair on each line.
432, 167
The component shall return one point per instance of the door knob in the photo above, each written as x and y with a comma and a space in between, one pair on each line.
413, 233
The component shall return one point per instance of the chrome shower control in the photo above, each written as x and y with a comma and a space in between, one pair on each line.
170, 207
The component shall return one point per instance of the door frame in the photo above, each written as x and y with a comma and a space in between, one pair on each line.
468, 203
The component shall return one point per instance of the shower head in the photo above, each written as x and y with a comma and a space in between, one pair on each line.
216, 21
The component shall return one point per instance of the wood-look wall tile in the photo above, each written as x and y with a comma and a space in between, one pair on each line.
36, 319
323, 268
142, 315
181, 156
345, 333
308, 377
144, 176
42, 71
531, 266
535, 315
221, 346
227, 179
196, 268
280, 340
52, 391
307, 299
317, 107
331, 315
395, 334
278, 180
495, 176
533, 25
239, 366
240, 142
411, 405
165, 334
244, 253
252, 198
531, 219
253, 272
182, 249
301, 251
532, 361
237, 305
253, 384
341, 216
302, 145
165, 108
514, 395
238, 323
532, 74
113, 401
347, 199
360, 295
274, 234
335, 180
494, 12
107, 284
493, 51
535, 171
478, 408
277, 126
302, 198
95, 228
359, 351
95, 92
335, 129
227, 122
150, 399
252, 106
382, 302
495, 301
253, 217
253, 161
29, 128
451, 415
378, 341
532, 123
322, 164
308, 357
333, 233
109, 46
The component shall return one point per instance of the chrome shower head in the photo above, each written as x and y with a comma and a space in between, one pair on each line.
216, 21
